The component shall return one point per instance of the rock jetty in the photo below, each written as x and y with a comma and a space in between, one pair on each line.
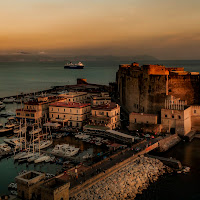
126, 182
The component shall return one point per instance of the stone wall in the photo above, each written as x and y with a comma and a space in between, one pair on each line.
141, 92
195, 117
185, 87
144, 89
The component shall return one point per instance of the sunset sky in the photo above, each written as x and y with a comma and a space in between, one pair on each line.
166, 29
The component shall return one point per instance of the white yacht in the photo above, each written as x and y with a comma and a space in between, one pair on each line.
72, 151
60, 148
10, 125
41, 158
19, 155
48, 159
82, 136
19, 100
26, 156
9, 100
2, 107
5, 130
34, 157
14, 141
5, 147
17, 131
34, 131
43, 144
88, 155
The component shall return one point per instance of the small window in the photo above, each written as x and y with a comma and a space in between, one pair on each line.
69, 99
147, 122
32, 115
179, 117
64, 116
52, 115
18, 113
52, 109
64, 110
165, 115
27, 115
172, 116
58, 109
135, 120
195, 111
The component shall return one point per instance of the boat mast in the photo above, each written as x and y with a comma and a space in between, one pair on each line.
33, 140
25, 132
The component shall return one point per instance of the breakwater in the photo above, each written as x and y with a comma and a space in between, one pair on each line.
126, 182
168, 142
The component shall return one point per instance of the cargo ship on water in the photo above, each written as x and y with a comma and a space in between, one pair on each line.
74, 66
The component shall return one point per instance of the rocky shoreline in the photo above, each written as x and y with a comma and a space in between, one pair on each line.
127, 182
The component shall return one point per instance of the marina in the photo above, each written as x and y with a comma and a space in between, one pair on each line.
19, 161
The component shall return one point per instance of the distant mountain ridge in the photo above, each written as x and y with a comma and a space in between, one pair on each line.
28, 57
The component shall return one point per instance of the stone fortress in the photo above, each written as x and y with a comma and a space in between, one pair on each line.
166, 98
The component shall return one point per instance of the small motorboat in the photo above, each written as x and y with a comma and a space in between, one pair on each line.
88, 155
9, 100
2, 107
34, 157
41, 158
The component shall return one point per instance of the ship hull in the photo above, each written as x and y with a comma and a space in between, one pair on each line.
73, 67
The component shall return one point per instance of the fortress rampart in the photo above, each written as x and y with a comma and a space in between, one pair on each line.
144, 89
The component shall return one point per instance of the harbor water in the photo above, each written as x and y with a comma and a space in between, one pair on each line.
17, 77
9, 168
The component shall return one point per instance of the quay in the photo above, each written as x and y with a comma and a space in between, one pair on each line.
116, 135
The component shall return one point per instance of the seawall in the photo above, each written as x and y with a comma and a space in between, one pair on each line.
123, 182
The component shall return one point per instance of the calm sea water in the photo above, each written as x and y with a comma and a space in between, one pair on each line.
178, 186
17, 77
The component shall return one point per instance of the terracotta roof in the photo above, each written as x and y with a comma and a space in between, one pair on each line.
70, 105
108, 107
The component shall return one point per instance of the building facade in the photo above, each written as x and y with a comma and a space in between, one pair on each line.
100, 99
74, 113
36, 109
106, 116
76, 97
